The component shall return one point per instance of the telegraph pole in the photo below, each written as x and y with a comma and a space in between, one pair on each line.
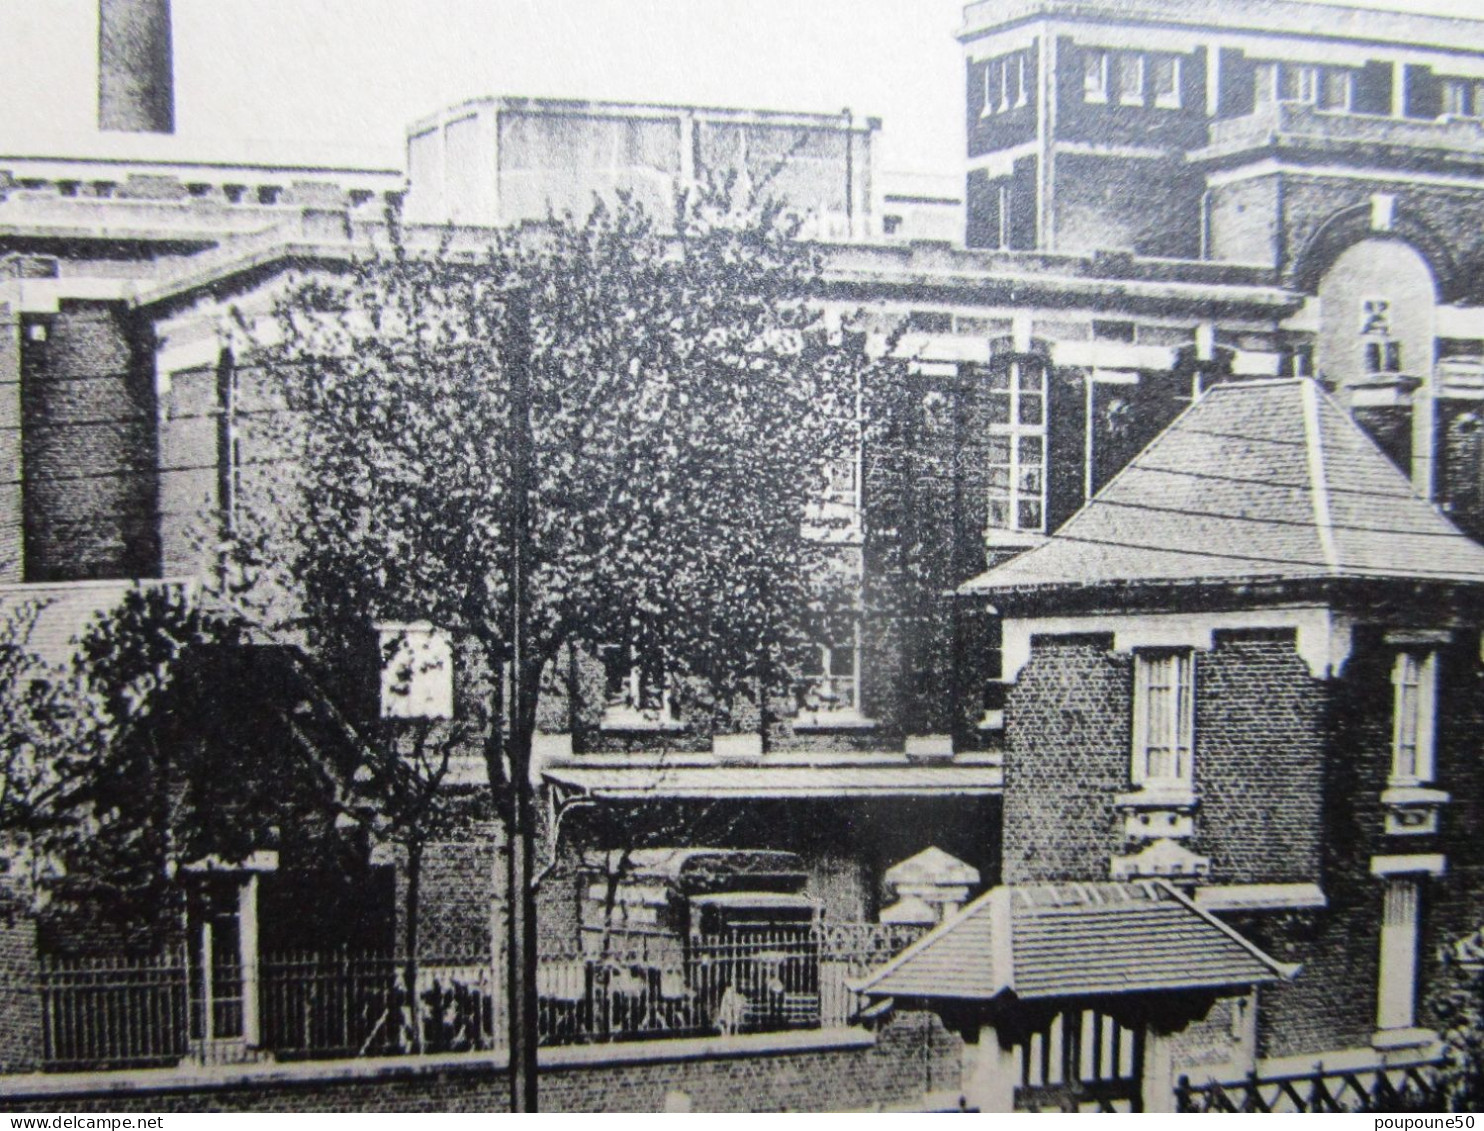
520, 810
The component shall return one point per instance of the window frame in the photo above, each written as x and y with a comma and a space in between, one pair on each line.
1095, 76
815, 709
1178, 722
1414, 680
1016, 493
1168, 99
1133, 64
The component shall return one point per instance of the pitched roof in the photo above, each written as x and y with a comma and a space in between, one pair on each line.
1265, 480
1069, 940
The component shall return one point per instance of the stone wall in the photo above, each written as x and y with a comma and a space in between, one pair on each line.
834, 1070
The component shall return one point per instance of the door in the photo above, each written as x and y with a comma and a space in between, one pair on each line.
217, 977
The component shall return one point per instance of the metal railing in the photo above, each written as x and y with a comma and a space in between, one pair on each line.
1378, 1088
114, 1012
134, 1012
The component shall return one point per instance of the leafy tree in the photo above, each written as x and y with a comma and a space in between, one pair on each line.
46, 741
684, 396
185, 765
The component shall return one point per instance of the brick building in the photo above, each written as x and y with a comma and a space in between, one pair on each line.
1159, 200
1248, 668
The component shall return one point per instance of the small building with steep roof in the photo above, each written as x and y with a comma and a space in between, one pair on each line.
1245, 677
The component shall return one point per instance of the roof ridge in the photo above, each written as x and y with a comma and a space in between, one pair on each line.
1318, 480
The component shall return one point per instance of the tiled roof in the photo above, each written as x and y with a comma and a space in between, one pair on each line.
63, 611
1071, 940
763, 780
1260, 480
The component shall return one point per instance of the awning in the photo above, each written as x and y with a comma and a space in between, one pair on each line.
1075, 940
633, 783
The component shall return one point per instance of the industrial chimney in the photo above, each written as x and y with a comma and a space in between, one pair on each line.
136, 79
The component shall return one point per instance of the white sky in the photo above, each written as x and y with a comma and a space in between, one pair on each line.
336, 75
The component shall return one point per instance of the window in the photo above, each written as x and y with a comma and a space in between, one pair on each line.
1336, 89
1463, 98
1164, 717
836, 514
1414, 680
1017, 447
1167, 82
1375, 316
1298, 83
829, 683
1396, 990
1382, 353
1265, 84
1095, 76
1327, 88
1016, 93
416, 672
640, 691
1383, 357
1130, 79
1004, 84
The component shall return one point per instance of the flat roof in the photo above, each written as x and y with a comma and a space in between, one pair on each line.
632, 783
1281, 17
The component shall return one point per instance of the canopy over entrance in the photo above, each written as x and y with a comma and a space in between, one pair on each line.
1042, 941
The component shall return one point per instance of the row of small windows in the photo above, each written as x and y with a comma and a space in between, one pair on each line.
1463, 98
1323, 87
1141, 78
1164, 725
1131, 78
1006, 85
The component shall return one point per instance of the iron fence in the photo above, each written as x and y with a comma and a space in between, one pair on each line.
1374, 1089
114, 1012
102, 1013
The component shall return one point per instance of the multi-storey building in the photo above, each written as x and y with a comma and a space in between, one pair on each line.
1160, 199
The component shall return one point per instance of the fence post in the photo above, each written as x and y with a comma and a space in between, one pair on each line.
22, 1038
1182, 1095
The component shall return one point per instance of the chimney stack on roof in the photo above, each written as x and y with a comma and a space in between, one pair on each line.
136, 80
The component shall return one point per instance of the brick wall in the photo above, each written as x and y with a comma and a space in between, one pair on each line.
89, 448
188, 468
457, 894
1259, 757
20, 1001
843, 1070
1067, 753
12, 551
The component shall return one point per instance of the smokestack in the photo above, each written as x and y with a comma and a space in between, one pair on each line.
136, 72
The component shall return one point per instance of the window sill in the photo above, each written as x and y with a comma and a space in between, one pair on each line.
1407, 794
831, 720
637, 722
1158, 797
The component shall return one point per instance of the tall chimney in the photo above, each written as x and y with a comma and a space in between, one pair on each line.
136, 73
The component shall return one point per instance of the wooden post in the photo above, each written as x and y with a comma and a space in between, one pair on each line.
991, 1073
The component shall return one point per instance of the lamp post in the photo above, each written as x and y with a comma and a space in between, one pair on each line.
520, 805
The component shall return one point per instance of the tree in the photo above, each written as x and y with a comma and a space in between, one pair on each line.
201, 748
47, 738
681, 397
